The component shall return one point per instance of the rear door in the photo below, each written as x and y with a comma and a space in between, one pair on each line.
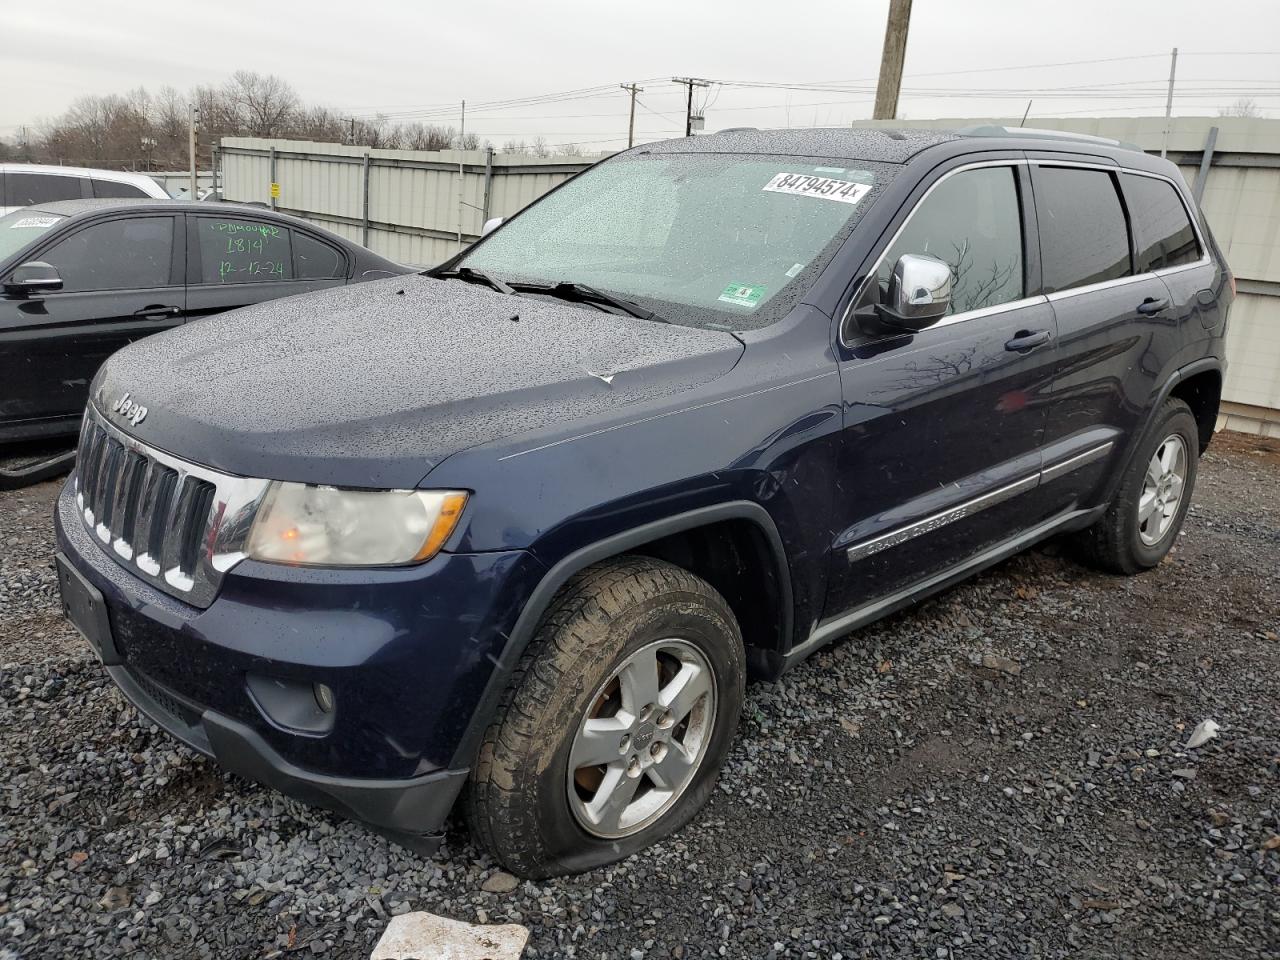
237, 261
122, 280
943, 428
1116, 333
1167, 245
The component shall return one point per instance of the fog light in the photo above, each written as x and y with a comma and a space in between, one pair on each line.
324, 697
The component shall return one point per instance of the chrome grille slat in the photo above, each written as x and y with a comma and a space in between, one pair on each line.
179, 526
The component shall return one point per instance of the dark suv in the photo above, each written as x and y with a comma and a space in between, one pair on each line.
527, 523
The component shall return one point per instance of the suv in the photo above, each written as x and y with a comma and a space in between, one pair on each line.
528, 522
27, 184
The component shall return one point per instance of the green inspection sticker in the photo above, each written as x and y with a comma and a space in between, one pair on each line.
742, 294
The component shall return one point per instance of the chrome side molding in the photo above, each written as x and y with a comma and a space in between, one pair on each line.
867, 548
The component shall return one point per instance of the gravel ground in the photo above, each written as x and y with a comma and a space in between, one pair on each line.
998, 773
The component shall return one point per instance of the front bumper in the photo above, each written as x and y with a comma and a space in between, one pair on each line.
407, 653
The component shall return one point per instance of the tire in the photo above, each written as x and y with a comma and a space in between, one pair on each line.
525, 805
1126, 539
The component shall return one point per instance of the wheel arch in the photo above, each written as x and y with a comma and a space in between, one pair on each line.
750, 534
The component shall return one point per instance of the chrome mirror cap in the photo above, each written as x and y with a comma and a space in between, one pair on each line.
919, 292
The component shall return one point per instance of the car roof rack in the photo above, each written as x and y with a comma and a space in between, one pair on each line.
996, 130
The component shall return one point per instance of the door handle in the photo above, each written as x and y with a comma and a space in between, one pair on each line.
1027, 340
157, 311
1152, 305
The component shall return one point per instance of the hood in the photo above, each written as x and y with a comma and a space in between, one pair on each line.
374, 384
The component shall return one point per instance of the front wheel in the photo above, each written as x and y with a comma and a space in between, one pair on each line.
616, 723
1142, 523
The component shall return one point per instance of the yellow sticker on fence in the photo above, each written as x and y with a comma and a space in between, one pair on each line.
275, 191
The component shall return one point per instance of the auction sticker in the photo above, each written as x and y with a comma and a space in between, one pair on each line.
742, 294
825, 188
33, 222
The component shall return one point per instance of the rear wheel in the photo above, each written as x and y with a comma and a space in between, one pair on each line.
1142, 523
616, 723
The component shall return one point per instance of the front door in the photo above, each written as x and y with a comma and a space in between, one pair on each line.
122, 280
943, 429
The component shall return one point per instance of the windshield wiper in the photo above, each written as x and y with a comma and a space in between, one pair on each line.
570, 290
472, 275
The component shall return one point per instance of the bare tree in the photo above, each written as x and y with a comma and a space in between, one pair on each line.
265, 105
539, 147
569, 150
1242, 107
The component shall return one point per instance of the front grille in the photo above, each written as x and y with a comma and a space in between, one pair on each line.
175, 524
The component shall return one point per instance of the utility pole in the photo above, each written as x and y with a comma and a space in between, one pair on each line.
892, 59
462, 175
352, 138
631, 124
690, 82
1168, 104
193, 126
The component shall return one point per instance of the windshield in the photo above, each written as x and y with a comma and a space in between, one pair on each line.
19, 228
721, 240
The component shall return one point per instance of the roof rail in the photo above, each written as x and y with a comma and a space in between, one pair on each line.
995, 130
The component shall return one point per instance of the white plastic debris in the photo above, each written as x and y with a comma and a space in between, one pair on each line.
1205, 731
424, 936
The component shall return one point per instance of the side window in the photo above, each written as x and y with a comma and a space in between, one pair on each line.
127, 254
112, 188
970, 221
1083, 235
234, 250
315, 260
1163, 230
24, 189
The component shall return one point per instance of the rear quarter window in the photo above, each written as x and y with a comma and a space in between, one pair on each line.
113, 188
1161, 224
1084, 238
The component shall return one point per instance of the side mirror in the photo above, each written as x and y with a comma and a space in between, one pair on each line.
32, 277
919, 293
490, 225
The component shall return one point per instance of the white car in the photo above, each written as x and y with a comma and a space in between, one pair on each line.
24, 184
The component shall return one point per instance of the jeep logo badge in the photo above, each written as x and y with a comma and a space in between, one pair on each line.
135, 413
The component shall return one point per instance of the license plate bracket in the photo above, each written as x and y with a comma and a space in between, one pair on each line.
84, 606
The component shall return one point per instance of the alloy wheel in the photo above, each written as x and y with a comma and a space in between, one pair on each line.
1162, 489
642, 740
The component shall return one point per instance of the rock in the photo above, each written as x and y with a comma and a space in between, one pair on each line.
499, 882
1185, 773
424, 935
1271, 843
1205, 731
114, 898
953, 910
992, 661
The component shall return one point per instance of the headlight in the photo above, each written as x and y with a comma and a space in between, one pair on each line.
325, 526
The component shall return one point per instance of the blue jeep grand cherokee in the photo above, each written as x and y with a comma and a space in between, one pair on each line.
526, 523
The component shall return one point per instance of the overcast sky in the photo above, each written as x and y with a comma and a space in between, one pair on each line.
409, 58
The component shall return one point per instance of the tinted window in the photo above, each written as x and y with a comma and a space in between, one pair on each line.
116, 255
24, 189
234, 250
314, 260
1160, 222
112, 188
1083, 237
970, 221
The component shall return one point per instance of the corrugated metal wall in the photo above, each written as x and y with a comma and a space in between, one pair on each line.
1241, 199
414, 215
